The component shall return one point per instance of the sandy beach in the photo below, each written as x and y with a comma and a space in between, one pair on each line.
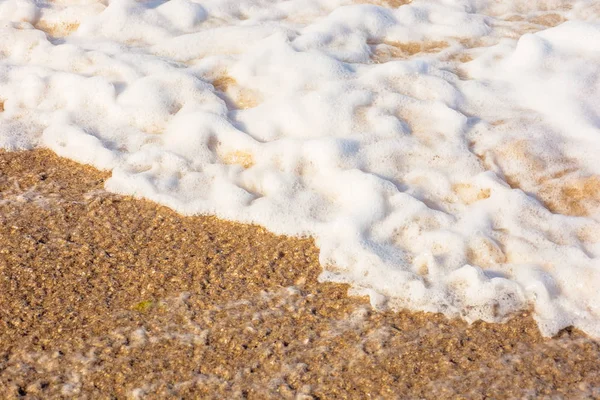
103, 296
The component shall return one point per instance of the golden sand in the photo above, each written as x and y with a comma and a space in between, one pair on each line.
235, 96
57, 30
385, 3
103, 296
388, 50
557, 183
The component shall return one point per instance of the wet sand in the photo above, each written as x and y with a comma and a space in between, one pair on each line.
104, 296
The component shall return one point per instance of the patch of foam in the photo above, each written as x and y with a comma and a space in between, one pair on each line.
442, 153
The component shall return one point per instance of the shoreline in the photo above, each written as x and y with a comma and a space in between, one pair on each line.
108, 295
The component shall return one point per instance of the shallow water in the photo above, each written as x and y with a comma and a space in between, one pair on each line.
105, 295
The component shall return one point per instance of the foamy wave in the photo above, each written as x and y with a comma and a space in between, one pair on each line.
442, 153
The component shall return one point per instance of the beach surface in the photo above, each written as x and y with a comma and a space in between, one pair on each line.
442, 155
105, 296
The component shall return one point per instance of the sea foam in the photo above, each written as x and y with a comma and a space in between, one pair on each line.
443, 154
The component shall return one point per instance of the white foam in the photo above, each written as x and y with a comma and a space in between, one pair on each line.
391, 135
